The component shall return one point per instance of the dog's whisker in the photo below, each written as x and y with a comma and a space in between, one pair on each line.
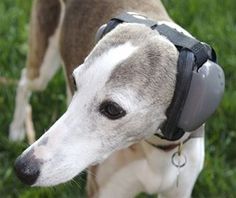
92, 173
75, 182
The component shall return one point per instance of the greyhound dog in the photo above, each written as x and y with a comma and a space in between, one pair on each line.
120, 93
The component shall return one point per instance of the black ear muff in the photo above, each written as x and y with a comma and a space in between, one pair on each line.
197, 95
106, 28
185, 65
199, 82
100, 33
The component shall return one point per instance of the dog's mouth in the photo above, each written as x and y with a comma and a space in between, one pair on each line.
52, 164
34, 172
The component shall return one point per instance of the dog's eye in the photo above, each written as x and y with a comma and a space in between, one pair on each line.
111, 110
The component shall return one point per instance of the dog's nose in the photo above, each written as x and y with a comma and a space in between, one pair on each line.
27, 169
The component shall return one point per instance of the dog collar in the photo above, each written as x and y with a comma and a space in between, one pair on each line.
169, 147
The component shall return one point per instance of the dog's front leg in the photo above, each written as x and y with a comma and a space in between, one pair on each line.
42, 62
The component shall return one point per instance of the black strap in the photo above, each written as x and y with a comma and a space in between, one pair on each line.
129, 18
201, 51
110, 26
185, 64
180, 40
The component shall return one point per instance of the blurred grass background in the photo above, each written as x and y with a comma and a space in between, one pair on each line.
212, 21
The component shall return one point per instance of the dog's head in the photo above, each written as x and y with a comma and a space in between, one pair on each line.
122, 91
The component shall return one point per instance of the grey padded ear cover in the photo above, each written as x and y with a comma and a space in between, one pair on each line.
198, 92
205, 93
100, 32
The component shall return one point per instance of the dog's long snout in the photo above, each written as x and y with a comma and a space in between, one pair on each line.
27, 168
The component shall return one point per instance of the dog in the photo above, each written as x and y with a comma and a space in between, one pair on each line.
119, 98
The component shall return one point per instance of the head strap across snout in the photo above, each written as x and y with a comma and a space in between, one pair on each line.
199, 82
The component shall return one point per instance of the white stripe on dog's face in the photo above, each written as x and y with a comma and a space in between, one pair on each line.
93, 76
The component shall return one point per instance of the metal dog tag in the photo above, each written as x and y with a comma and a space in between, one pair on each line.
179, 160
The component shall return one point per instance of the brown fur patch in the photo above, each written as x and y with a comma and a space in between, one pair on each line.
44, 20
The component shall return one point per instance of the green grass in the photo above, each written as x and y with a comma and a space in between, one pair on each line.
213, 21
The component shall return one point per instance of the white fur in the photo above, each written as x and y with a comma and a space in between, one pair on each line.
150, 172
17, 130
102, 66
